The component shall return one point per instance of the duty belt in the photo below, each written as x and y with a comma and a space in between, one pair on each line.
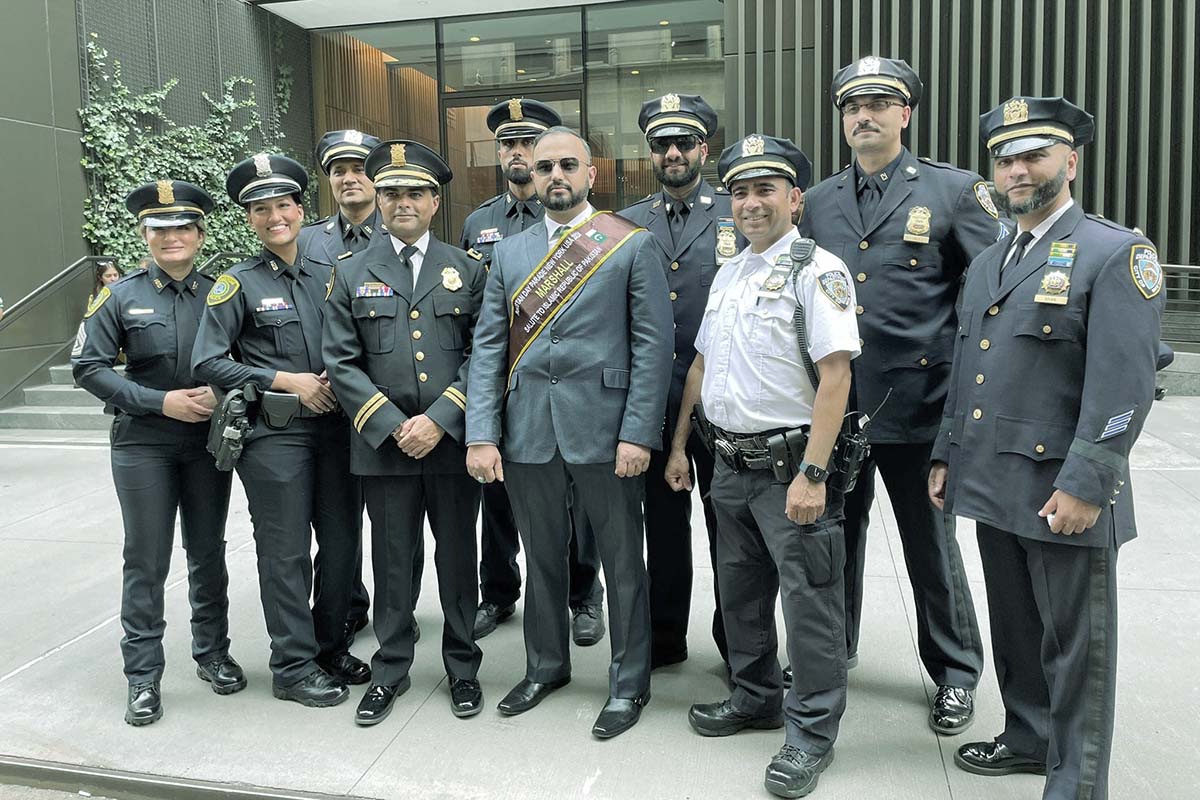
744, 450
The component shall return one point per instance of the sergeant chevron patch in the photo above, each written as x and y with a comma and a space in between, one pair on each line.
1116, 426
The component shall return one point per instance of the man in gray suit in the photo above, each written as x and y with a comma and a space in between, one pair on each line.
569, 376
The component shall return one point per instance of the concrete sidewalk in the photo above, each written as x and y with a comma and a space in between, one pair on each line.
62, 693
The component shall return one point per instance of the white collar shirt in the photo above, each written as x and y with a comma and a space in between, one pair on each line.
754, 376
552, 227
1041, 230
417, 259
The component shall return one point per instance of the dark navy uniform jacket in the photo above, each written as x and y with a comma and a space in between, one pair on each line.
136, 315
269, 321
326, 239
502, 216
1047, 396
907, 265
394, 352
690, 268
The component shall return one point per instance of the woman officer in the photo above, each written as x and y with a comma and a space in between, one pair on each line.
159, 462
267, 311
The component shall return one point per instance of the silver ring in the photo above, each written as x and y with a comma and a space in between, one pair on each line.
481, 479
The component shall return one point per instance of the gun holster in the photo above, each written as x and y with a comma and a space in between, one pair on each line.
787, 453
229, 427
851, 451
703, 428
278, 409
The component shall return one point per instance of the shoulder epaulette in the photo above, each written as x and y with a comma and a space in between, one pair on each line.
131, 274
1108, 223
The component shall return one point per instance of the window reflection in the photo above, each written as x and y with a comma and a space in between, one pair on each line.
534, 50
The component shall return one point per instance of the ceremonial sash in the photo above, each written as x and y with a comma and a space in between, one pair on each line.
564, 270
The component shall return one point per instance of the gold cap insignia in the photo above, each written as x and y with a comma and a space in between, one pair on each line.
669, 104
166, 193
451, 280
868, 66
1016, 111
753, 146
262, 165
398, 159
354, 137
514, 110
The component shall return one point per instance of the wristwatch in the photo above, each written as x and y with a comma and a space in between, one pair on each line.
813, 472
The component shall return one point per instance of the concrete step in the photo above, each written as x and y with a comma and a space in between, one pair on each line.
1182, 378
61, 375
55, 418
51, 437
59, 395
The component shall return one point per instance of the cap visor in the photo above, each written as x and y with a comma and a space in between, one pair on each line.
759, 172
518, 133
1024, 145
175, 220
387, 183
675, 130
859, 91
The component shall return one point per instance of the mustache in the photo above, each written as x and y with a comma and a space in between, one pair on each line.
559, 185
865, 126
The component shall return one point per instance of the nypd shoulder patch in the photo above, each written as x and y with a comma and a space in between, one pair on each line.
224, 289
1146, 271
836, 287
985, 199
98, 301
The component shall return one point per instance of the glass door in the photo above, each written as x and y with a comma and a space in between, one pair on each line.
471, 149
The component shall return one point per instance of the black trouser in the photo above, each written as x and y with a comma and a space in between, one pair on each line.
669, 555
948, 638
153, 481
398, 505
613, 506
499, 574
762, 555
298, 481
1053, 613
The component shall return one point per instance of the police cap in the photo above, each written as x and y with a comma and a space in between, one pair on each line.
168, 204
264, 176
758, 155
401, 162
875, 75
677, 115
344, 144
1028, 123
520, 118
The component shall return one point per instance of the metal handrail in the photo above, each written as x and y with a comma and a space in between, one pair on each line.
225, 255
19, 308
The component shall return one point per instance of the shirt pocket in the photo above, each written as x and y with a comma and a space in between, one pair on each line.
771, 331
1037, 440
149, 336
375, 319
1049, 323
281, 329
911, 256
452, 316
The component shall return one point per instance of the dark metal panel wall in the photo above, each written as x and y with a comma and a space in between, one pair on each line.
1131, 63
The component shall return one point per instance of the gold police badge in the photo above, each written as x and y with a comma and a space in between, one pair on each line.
916, 228
1016, 111
515, 113
166, 193
451, 279
753, 146
669, 104
398, 159
726, 242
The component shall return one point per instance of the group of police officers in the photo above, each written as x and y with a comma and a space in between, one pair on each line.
575, 372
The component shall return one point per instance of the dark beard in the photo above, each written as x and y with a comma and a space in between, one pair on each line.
689, 175
557, 203
518, 178
1043, 194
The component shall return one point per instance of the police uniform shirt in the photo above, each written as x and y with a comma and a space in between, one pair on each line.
415, 259
1037, 233
155, 324
754, 377
268, 314
502, 216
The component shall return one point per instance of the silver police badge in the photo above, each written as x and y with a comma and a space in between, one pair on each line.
1147, 272
451, 279
835, 286
354, 137
868, 66
753, 146
262, 165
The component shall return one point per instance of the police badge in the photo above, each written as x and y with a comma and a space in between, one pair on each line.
398, 159
726, 239
753, 146
451, 279
262, 165
166, 193
868, 66
1016, 111
514, 110
354, 137
916, 229
669, 104
1147, 272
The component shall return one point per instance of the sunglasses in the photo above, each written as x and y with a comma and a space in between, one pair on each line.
569, 166
684, 144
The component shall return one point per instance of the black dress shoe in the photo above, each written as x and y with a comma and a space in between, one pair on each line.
994, 758
224, 674
317, 689
346, 668
794, 772
490, 615
527, 694
787, 677
722, 719
619, 715
587, 625
466, 698
953, 710
376, 704
144, 704
353, 626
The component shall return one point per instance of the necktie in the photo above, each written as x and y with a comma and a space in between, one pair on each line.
406, 264
356, 240
186, 323
677, 217
559, 234
868, 200
310, 320
1018, 249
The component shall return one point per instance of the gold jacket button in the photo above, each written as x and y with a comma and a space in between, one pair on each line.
979, 378
414, 314
371, 313
993, 311
861, 277
984, 344
924, 362
422, 377
456, 310
419, 356
977, 413
1046, 329
863, 245
674, 265
674, 296
858, 310
1041, 448
912, 262
416, 334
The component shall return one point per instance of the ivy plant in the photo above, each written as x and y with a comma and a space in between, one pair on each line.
128, 140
